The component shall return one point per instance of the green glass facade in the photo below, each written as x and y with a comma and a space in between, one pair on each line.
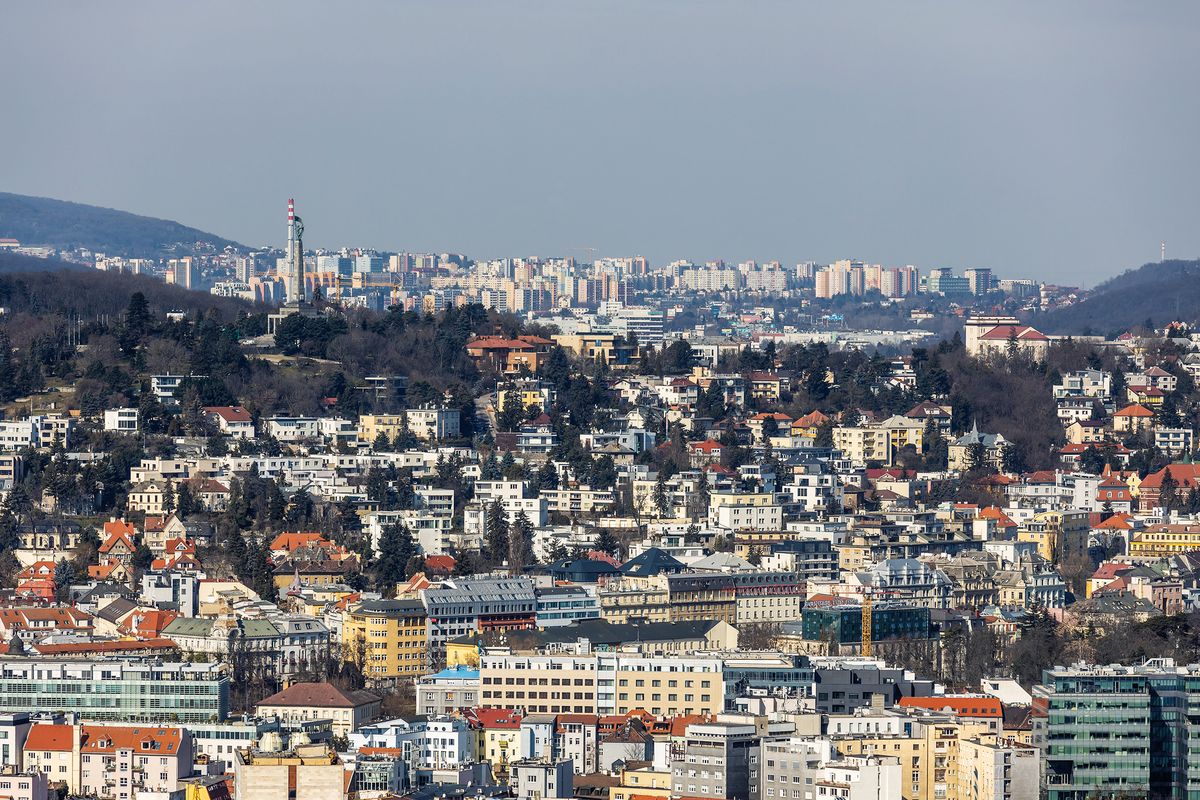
131, 691
845, 623
1122, 732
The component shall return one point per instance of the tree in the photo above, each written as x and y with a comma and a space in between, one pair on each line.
1040, 646
1012, 348
607, 543
662, 502
142, 557
976, 456
824, 437
604, 473
520, 544
396, 548
1092, 461
758, 635
64, 575
496, 538
1168, 495
547, 477
698, 502
511, 414
1011, 460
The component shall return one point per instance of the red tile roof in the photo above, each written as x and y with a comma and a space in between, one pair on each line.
959, 705
141, 738
229, 413
56, 738
318, 695
1023, 333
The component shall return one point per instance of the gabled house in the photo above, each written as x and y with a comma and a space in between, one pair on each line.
231, 420
1133, 419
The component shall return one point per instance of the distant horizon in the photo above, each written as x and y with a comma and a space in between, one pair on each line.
653, 263
1040, 141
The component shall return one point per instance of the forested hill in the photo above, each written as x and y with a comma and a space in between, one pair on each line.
31, 285
62, 224
1160, 292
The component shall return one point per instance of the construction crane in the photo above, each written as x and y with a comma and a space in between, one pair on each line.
867, 610
868, 603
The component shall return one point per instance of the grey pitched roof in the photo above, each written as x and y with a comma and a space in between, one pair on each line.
116, 609
652, 561
602, 633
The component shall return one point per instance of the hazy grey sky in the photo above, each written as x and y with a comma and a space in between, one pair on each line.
1040, 139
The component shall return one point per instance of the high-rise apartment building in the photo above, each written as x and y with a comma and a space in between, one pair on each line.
979, 280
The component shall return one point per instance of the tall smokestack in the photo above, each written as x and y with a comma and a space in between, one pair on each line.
295, 255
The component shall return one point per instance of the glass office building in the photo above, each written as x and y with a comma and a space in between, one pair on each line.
116, 689
1124, 731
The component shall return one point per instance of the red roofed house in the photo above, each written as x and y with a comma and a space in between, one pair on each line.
211, 494
762, 423
1185, 476
439, 565
508, 355
706, 452
38, 569
116, 553
766, 386
36, 589
231, 420
1002, 525
988, 336
1113, 495
808, 424
93, 759
285, 544
146, 624
680, 392
1133, 419
301, 702
32, 624
179, 554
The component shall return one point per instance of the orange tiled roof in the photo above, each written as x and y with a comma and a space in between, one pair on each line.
43, 736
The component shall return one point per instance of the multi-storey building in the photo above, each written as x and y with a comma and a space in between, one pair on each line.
307, 772
539, 684
786, 764
389, 636
745, 596
110, 761
116, 690
473, 605
719, 759
452, 690
843, 624
1120, 731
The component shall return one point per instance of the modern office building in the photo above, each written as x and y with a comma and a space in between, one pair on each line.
1120, 731
475, 605
115, 690
843, 623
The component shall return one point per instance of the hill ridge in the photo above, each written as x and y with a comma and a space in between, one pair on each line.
66, 224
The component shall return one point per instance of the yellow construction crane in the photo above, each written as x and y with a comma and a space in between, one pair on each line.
866, 623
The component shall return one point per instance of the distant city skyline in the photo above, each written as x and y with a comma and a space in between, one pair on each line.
1038, 141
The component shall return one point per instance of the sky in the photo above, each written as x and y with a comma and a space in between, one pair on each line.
1047, 140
